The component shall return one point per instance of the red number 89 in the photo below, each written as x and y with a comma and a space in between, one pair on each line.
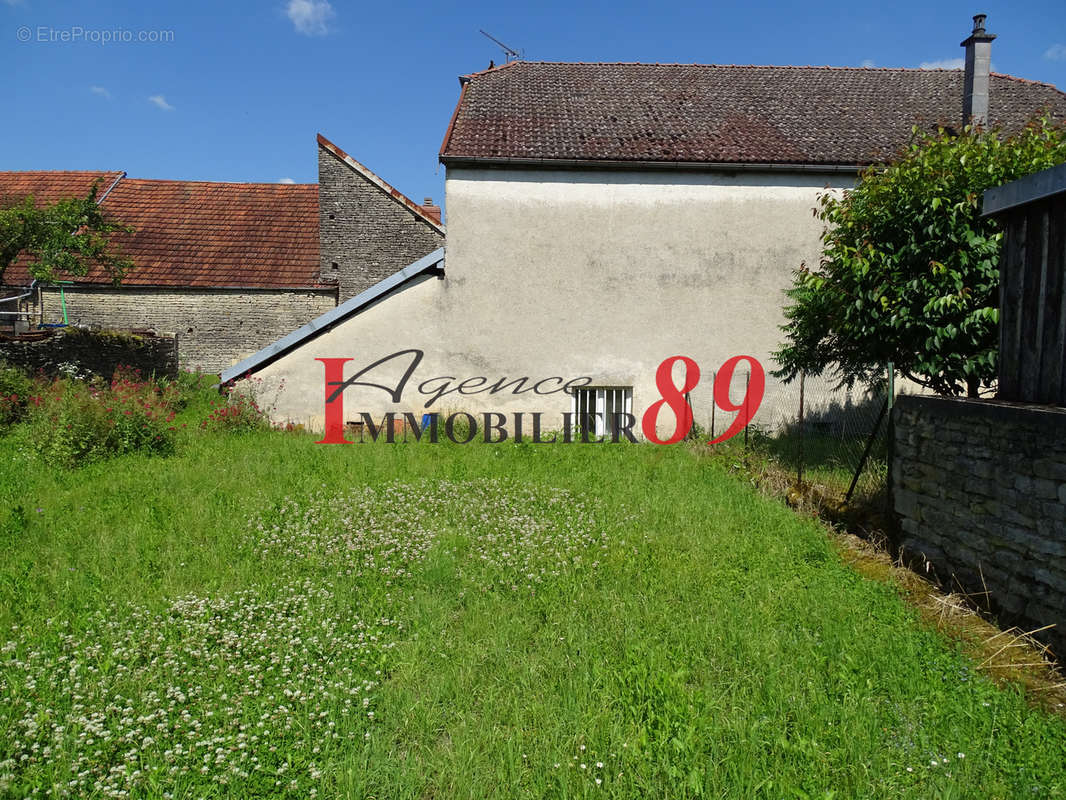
674, 397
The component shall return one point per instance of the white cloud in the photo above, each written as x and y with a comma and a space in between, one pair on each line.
161, 102
1057, 52
944, 63
13, 2
286, 180
867, 62
100, 90
310, 17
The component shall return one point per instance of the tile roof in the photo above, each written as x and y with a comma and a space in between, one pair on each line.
48, 187
677, 113
197, 233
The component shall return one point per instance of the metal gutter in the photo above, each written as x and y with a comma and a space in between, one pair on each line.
579, 163
1046, 183
332, 317
185, 287
103, 197
16, 298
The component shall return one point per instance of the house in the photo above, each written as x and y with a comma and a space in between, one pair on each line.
605, 217
230, 267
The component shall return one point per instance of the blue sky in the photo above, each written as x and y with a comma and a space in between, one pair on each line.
242, 86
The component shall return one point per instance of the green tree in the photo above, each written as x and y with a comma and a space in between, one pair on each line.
64, 239
909, 270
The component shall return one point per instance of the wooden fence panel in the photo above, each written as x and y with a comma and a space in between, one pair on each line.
1032, 351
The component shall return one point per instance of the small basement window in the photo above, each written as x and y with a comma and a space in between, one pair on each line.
601, 407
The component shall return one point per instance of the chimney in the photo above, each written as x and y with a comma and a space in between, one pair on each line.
430, 210
975, 81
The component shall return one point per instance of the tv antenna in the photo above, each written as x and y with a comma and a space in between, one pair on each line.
508, 53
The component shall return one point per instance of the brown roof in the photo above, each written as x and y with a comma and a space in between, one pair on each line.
48, 187
693, 113
197, 233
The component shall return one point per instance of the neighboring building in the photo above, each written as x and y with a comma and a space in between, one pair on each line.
603, 217
230, 267
364, 237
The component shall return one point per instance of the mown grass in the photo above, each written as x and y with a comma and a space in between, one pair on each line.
687, 637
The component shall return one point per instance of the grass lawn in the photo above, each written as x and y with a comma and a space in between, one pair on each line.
261, 616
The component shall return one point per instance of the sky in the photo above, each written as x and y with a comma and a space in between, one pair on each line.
236, 90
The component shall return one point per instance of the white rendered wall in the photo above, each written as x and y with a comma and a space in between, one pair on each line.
583, 273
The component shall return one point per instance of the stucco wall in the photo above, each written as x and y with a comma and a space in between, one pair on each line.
579, 273
215, 328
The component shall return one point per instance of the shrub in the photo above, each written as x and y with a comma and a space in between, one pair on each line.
240, 411
16, 388
73, 422
235, 413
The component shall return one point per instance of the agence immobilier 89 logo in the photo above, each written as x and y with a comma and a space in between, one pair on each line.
462, 427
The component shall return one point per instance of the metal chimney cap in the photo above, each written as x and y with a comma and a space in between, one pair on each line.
979, 33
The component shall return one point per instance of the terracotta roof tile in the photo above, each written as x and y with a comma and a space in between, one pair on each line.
716, 114
48, 187
197, 233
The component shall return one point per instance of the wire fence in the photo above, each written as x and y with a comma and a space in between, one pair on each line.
833, 440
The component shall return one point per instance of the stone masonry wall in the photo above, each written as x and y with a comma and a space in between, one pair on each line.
364, 234
215, 327
100, 352
980, 490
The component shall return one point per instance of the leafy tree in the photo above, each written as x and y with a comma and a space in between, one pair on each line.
64, 239
909, 271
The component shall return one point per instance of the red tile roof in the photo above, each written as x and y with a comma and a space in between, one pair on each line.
48, 187
198, 233
694, 113
432, 211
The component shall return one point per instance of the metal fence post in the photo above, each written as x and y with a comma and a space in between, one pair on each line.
747, 386
714, 381
799, 473
891, 432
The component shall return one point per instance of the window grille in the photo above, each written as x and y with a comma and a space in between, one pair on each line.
599, 408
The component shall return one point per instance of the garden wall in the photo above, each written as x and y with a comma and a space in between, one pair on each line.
99, 352
980, 490
217, 327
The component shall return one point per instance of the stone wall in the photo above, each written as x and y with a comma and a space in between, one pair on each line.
364, 234
215, 327
980, 490
100, 352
